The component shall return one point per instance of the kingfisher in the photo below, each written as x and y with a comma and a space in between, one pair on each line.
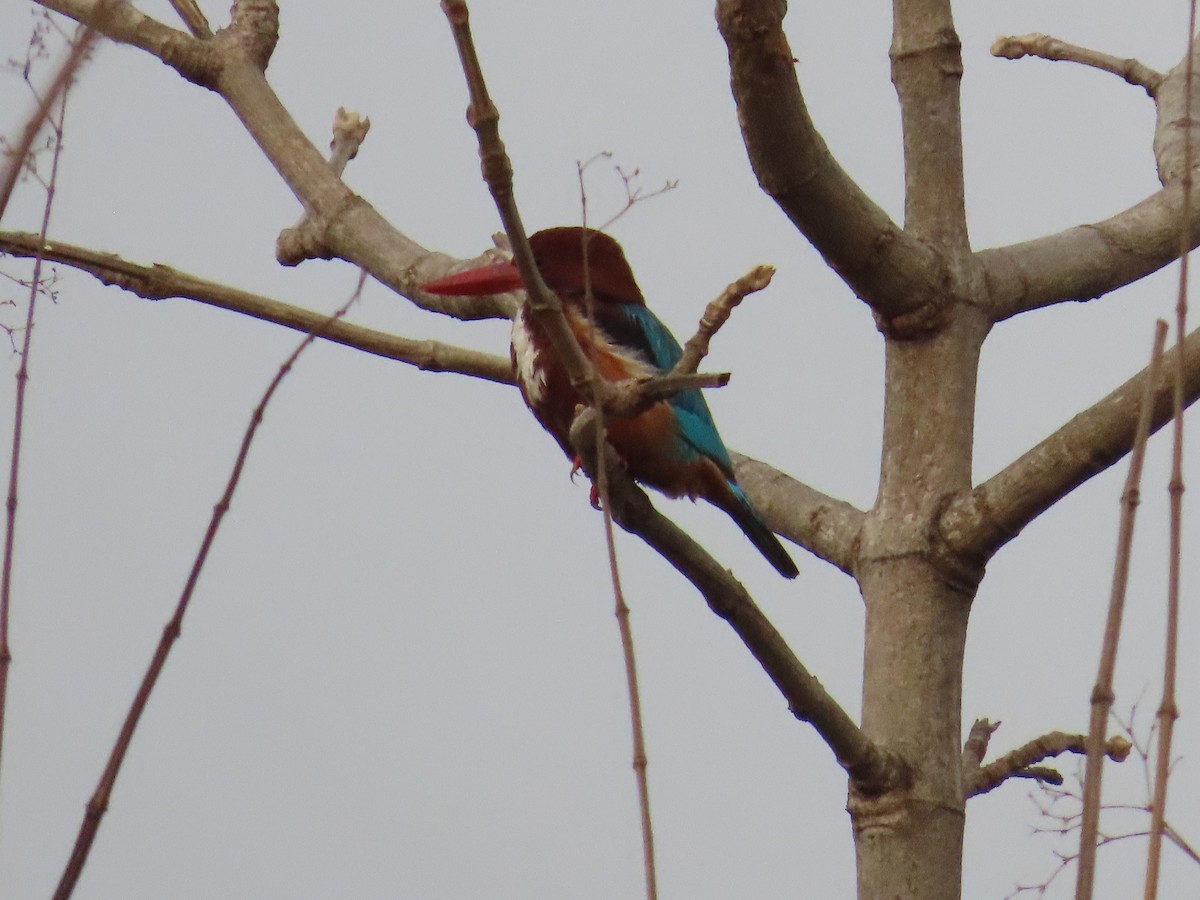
673, 446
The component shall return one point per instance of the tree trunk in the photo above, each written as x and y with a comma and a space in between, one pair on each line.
909, 841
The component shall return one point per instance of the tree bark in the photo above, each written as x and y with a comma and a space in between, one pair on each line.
909, 841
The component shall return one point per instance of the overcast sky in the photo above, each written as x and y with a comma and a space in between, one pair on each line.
401, 676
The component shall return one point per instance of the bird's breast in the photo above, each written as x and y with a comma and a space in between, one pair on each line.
528, 353
648, 443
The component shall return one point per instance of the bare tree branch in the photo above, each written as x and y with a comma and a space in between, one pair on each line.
193, 17
232, 64
158, 282
890, 269
1168, 708
1046, 47
1088, 261
542, 303
1018, 763
927, 67
979, 523
825, 526
84, 39
35, 287
1102, 692
304, 239
872, 770
717, 313
98, 804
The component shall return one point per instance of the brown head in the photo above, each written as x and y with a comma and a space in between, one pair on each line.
560, 257
563, 261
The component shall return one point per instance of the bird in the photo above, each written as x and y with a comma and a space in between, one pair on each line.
673, 446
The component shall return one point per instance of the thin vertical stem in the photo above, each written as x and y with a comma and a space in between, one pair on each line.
10, 506
624, 626
1102, 692
635, 702
1168, 710
98, 804
85, 37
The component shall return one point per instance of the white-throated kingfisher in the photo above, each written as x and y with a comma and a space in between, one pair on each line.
673, 446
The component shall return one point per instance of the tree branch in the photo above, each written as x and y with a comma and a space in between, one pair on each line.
17, 155
888, 268
979, 523
1088, 261
484, 119
871, 769
158, 282
1021, 762
1046, 47
926, 57
825, 526
193, 17
351, 229
98, 804
717, 313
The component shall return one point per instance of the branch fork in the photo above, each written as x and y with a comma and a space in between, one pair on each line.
306, 239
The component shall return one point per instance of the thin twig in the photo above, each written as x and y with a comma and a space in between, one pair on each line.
1102, 692
483, 116
633, 194
306, 239
1168, 710
85, 36
193, 17
1022, 762
159, 282
1065, 823
717, 313
10, 519
98, 804
624, 626
546, 308
1046, 47
640, 760
872, 769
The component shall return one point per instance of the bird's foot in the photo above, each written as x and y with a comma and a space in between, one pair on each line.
594, 493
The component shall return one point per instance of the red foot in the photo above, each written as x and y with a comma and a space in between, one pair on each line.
594, 493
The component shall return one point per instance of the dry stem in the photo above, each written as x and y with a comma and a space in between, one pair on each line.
1046, 47
624, 626
159, 282
85, 36
871, 769
98, 804
1022, 762
10, 520
192, 16
1102, 692
1168, 710
717, 313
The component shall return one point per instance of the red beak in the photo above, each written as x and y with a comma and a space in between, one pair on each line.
499, 278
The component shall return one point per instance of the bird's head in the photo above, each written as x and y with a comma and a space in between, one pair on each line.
569, 258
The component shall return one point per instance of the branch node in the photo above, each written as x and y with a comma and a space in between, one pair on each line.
306, 239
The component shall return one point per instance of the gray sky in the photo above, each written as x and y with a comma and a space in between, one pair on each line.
401, 675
